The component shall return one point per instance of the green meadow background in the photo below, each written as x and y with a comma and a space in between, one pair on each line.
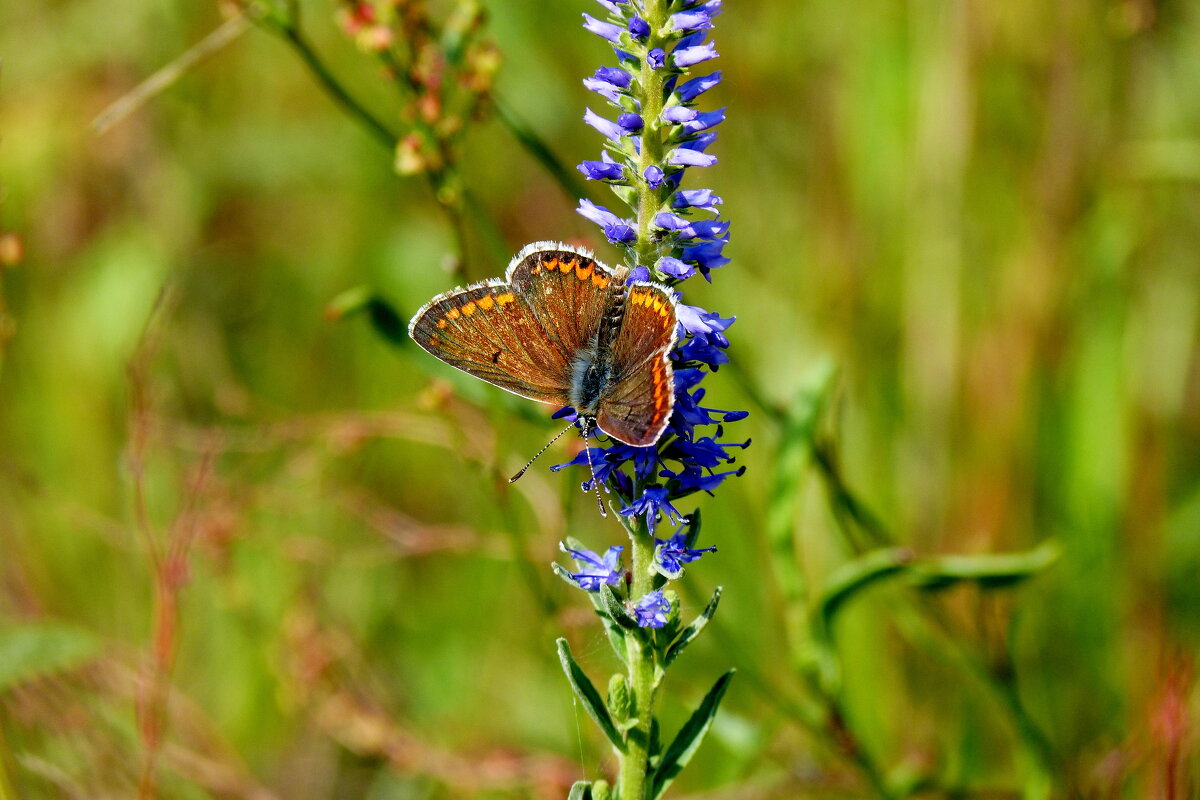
250, 547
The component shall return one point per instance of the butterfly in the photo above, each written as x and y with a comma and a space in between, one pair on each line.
560, 327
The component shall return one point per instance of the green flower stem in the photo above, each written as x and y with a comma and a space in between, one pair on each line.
634, 764
650, 93
639, 654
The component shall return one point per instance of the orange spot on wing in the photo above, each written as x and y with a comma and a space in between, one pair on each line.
550, 264
567, 266
599, 281
452, 313
434, 341
505, 299
469, 308
486, 302
658, 304
441, 322
582, 272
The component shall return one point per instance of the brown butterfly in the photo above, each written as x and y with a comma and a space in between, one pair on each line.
563, 328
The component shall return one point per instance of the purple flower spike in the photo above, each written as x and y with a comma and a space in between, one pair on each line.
595, 571
652, 610
690, 56
685, 237
605, 30
610, 129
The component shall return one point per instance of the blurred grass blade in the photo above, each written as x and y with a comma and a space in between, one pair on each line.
386, 321
580, 790
29, 652
692, 631
587, 694
990, 571
529, 139
854, 576
684, 746
791, 462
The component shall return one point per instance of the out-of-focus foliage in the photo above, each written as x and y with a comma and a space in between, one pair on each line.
249, 551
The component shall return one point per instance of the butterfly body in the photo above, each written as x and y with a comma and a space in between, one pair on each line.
563, 328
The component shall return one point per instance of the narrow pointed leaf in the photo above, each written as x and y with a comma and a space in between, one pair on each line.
587, 694
580, 790
692, 631
684, 746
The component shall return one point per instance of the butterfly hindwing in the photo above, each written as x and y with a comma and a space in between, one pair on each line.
636, 406
490, 331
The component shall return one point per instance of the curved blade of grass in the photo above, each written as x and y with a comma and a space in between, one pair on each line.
989, 570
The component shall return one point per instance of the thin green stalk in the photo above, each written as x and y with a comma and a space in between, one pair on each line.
651, 95
635, 761
631, 781
528, 138
292, 35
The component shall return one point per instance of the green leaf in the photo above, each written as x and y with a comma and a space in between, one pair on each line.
580, 790
587, 694
990, 571
28, 652
684, 746
692, 631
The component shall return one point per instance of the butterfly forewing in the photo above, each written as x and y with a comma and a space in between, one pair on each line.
490, 331
636, 406
568, 292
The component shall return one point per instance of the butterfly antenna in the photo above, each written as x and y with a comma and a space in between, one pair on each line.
587, 426
545, 447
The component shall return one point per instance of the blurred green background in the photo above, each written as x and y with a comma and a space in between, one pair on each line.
249, 548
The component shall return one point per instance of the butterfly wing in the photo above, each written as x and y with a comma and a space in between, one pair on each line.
636, 407
568, 291
490, 331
